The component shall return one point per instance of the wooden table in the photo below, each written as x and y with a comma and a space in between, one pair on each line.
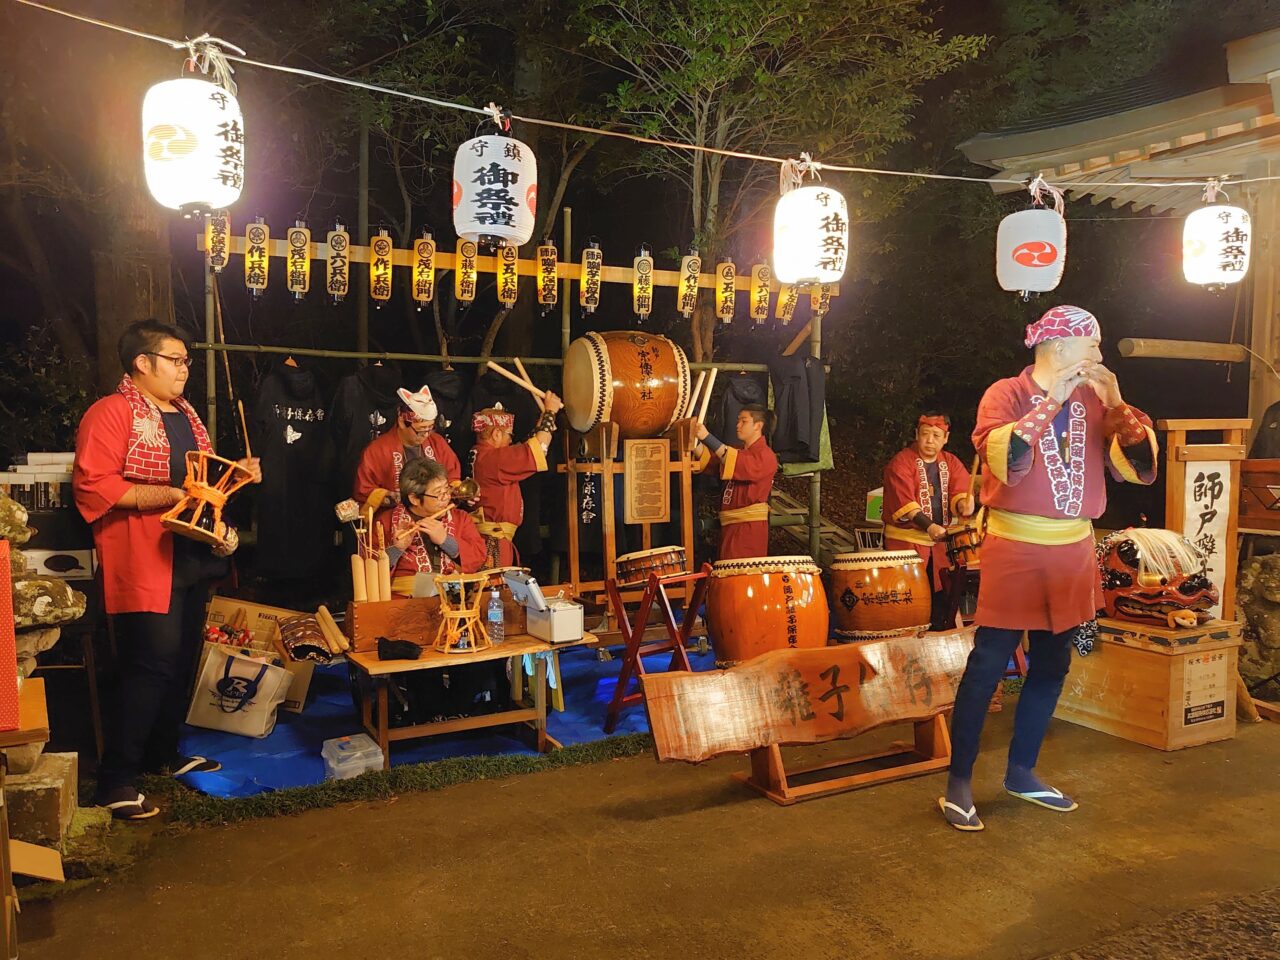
374, 712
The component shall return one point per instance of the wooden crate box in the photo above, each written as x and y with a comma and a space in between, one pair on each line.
1168, 689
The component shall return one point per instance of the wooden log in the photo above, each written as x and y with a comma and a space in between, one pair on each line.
798, 696
1182, 349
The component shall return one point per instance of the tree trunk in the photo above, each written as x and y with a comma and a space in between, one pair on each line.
131, 257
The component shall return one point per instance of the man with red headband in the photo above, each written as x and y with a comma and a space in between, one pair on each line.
1048, 438
924, 489
498, 467
377, 481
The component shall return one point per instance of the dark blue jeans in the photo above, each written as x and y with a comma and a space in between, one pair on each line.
1049, 661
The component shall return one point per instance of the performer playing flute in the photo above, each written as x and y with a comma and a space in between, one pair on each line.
1047, 436
420, 538
924, 488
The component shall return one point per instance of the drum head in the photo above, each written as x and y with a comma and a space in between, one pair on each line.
637, 555
587, 386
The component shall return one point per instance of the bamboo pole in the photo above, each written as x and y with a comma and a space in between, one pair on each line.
1182, 349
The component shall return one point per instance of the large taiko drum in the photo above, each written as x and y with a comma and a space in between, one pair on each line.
759, 604
637, 380
880, 593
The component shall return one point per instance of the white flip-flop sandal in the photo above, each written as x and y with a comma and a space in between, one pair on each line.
196, 765
137, 809
1044, 798
971, 822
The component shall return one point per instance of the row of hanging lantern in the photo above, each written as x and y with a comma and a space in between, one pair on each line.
421, 258
1031, 245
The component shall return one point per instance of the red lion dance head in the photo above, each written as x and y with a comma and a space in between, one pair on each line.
1155, 576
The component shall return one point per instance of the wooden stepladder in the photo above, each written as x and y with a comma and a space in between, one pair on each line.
805, 696
633, 632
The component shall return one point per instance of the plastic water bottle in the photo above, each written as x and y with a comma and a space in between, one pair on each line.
494, 620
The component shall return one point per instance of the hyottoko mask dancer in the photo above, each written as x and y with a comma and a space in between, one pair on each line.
1048, 438
1155, 576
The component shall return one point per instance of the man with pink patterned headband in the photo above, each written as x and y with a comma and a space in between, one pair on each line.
925, 488
1047, 437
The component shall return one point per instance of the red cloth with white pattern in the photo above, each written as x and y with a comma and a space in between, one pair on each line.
384, 458
1063, 321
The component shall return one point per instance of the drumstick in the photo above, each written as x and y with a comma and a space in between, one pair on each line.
540, 394
692, 402
248, 454
529, 380
706, 400
974, 477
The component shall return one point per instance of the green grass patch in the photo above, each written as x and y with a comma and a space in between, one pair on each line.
187, 808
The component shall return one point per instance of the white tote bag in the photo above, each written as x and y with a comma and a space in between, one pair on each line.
238, 694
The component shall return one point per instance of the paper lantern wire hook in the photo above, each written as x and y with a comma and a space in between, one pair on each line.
1213, 191
206, 54
792, 173
1038, 188
501, 116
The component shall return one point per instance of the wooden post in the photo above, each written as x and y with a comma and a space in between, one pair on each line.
815, 479
210, 357
1184, 462
1264, 388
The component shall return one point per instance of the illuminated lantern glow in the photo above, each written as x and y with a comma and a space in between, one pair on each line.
424, 270
548, 260
642, 284
1031, 251
761, 278
589, 281
810, 236
464, 273
726, 295
337, 264
217, 239
257, 240
495, 190
1216, 244
508, 275
193, 146
687, 294
788, 297
380, 257
298, 266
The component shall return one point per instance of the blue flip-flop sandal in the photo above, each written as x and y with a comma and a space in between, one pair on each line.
966, 820
1051, 799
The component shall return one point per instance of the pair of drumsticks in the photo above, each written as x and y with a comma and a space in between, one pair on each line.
523, 380
699, 399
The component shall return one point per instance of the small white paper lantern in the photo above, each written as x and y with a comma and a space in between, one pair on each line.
1031, 251
810, 236
1215, 245
495, 190
193, 145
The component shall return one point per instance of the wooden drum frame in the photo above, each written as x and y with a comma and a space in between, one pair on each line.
880, 593
639, 381
760, 604
664, 561
198, 515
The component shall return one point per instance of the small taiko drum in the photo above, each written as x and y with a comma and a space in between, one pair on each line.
210, 482
639, 381
880, 593
495, 579
759, 604
964, 546
663, 561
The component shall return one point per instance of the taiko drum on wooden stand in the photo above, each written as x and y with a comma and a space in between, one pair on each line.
639, 381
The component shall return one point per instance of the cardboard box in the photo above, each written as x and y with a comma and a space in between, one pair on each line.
1151, 686
265, 632
875, 505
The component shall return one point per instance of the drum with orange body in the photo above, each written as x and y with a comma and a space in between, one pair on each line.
759, 604
664, 561
639, 381
964, 545
880, 593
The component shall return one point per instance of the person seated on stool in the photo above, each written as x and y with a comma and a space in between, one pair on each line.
925, 488
748, 481
418, 541
412, 438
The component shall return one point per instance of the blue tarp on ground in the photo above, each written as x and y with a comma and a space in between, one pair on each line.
290, 756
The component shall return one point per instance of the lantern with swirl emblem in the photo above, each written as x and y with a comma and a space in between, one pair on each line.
1031, 245
495, 190
193, 145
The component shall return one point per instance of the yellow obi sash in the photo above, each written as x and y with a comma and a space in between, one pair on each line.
402, 586
503, 531
1028, 528
748, 514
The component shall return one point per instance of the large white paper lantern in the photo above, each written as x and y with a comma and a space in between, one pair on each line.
495, 190
193, 145
810, 236
1031, 251
1215, 245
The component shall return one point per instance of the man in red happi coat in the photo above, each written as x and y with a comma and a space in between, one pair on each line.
1048, 438
377, 482
925, 487
748, 480
498, 468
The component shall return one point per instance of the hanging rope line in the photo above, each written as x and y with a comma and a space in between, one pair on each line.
203, 45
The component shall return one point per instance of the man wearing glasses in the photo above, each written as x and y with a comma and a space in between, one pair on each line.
130, 464
425, 534
413, 437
